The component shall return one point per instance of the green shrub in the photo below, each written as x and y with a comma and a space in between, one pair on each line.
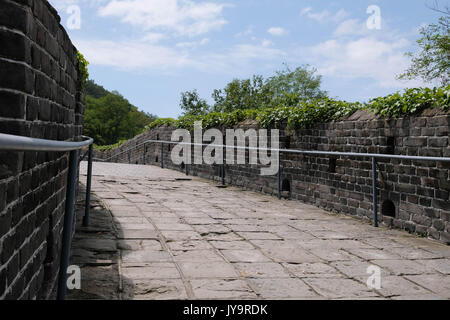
319, 111
411, 101
82, 69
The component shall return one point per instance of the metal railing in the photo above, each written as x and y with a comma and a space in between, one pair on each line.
372, 156
19, 143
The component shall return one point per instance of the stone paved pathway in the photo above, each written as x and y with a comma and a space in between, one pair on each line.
178, 237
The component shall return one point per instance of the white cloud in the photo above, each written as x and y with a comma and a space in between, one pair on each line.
193, 44
183, 17
351, 27
139, 56
153, 37
366, 57
246, 32
132, 55
325, 15
276, 31
266, 43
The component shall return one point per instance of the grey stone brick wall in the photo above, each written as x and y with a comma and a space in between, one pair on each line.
40, 97
413, 196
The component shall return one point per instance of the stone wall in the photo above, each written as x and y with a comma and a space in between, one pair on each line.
412, 195
40, 97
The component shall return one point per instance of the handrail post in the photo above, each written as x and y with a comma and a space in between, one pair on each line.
374, 192
68, 224
223, 165
162, 155
186, 169
145, 154
279, 175
88, 189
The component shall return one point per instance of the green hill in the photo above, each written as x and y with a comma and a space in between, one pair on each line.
110, 118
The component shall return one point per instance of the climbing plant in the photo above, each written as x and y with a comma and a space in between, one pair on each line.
82, 69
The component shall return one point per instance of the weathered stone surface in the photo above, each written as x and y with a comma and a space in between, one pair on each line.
145, 289
244, 256
339, 288
221, 289
151, 271
277, 255
439, 284
319, 270
403, 267
261, 270
143, 256
210, 269
282, 288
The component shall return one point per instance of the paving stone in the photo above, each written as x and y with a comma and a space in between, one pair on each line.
174, 227
441, 265
436, 283
152, 271
244, 227
210, 269
137, 234
222, 237
258, 236
222, 289
200, 221
290, 255
197, 255
339, 288
331, 254
320, 270
356, 268
139, 244
244, 256
330, 235
373, 254
398, 286
261, 270
282, 288
412, 253
403, 267
189, 245
232, 245
143, 256
212, 228
180, 235
133, 226
146, 289
421, 297
294, 235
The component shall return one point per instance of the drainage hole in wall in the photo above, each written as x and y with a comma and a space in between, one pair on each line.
388, 209
286, 189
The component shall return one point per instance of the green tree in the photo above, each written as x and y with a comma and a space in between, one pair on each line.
192, 104
286, 88
112, 118
433, 61
290, 87
95, 90
242, 95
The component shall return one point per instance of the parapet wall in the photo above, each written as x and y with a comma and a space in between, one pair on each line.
413, 196
40, 97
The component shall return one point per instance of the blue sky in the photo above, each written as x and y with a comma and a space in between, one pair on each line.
152, 50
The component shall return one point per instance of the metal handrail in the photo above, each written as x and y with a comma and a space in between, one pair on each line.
294, 151
372, 156
18, 143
